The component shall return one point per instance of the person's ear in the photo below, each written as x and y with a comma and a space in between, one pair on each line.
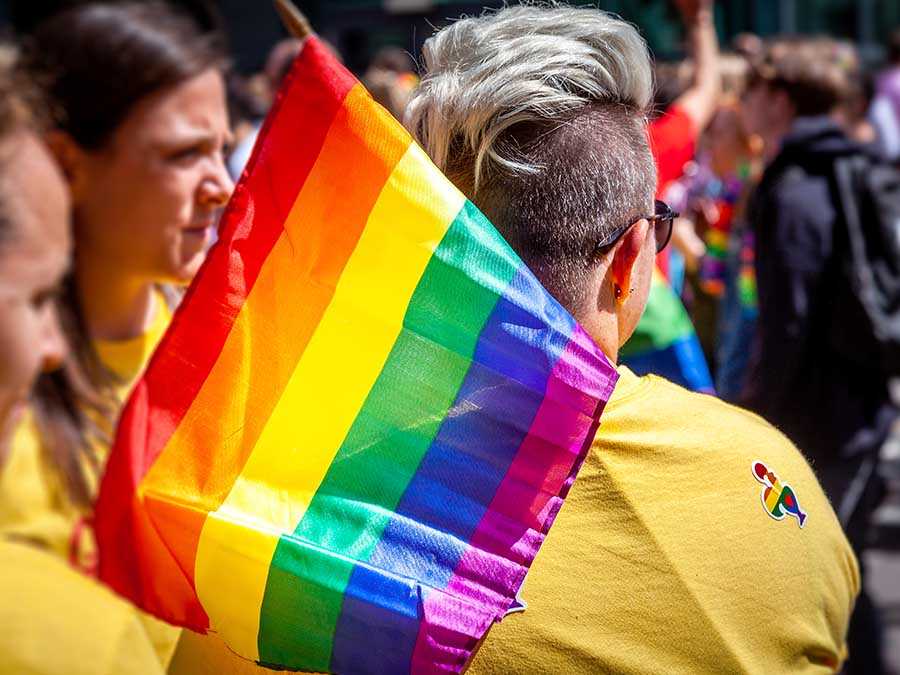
72, 160
624, 256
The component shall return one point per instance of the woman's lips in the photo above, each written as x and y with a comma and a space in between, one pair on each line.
200, 230
203, 223
197, 238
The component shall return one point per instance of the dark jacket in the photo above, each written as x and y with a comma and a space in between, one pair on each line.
797, 379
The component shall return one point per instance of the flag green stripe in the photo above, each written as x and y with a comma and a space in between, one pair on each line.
305, 587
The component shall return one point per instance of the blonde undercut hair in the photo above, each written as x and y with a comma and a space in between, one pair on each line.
538, 114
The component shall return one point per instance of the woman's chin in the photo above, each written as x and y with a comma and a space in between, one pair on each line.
184, 273
188, 264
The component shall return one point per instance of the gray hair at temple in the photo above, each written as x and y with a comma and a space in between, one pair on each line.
538, 114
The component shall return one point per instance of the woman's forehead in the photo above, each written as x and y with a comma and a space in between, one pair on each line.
195, 106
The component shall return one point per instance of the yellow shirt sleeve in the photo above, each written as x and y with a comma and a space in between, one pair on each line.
128, 358
55, 621
33, 506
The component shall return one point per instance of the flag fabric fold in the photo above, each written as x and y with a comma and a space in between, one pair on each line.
665, 342
365, 416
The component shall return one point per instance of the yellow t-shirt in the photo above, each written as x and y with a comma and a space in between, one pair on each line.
127, 358
33, 505
663, 558
56, 621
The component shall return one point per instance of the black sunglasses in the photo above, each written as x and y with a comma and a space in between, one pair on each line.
661, 220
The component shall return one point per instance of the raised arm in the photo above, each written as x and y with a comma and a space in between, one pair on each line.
699, 101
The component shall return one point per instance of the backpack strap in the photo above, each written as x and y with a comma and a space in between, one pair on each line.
849, 176
846, 170
866, 331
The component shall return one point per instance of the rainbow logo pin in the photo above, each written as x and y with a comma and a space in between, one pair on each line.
778, 498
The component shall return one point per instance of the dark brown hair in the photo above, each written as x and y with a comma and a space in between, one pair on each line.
96, 62
893, 47
816, 73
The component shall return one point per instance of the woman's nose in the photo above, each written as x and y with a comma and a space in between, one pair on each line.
216, 188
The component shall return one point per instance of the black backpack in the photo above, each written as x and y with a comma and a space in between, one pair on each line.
866, 325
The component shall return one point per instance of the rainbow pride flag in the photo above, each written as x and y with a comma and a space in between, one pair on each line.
365, 416
665, 342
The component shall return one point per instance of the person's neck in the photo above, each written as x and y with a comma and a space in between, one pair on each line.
604, 331
115, 307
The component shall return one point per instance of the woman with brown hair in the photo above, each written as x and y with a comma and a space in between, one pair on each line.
139, 96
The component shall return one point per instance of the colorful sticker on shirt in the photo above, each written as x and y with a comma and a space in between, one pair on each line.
778, 499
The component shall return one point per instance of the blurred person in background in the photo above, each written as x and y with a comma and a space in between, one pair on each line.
748, 45
810, 373
685, 106
728, 272
139, 97
252, 97
723, 168
852, 113
715, 244
664, 342
719, 148
248, 103
53, 620
885, 111
391, 79
259, 92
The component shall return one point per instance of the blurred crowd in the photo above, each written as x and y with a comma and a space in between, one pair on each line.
123, 134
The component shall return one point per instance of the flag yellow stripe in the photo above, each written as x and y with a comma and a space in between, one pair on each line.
323, 396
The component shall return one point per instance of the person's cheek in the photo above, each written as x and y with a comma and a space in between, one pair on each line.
17, 376
31, 346
8, 364
19, 363
174, 197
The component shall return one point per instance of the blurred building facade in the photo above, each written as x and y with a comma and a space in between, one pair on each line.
358, 28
